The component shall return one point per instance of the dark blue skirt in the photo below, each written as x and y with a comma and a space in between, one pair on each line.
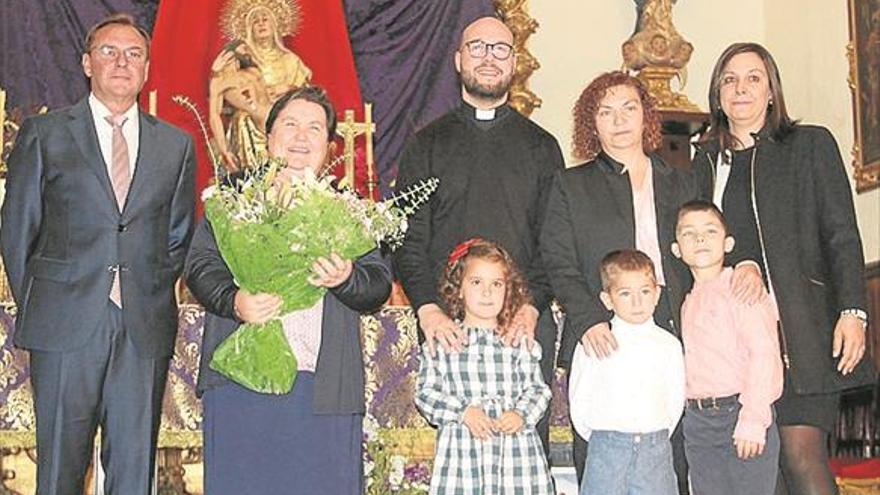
274, 444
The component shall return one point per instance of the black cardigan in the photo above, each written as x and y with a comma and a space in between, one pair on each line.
811, 243
339, 377
589, 214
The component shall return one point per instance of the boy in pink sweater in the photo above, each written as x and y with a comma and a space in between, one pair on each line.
733, 368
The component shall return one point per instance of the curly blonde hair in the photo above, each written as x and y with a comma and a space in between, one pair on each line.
585, 139
516, 293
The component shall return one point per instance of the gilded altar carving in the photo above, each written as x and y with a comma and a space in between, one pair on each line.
658, 53
515, 14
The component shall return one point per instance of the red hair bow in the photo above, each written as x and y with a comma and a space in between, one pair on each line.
462, 249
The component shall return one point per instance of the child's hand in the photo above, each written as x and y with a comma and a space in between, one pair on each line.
746, 449
480, 425
510, 422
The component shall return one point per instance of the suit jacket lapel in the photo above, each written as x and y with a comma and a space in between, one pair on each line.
82, 127
146, 162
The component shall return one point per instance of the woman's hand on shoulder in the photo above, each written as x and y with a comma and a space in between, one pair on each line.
330, 272
256, 308
599, 341
747, 283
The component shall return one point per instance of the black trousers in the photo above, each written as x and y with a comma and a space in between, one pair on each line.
106, 383
545, 335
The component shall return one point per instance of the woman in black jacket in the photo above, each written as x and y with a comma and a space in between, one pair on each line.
623, 197
310, 439
785, 195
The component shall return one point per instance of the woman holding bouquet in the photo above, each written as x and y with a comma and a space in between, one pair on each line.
309, 439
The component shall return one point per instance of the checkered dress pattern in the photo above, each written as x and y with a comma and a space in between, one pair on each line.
498, 378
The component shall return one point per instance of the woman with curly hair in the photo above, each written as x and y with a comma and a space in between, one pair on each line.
623, 197
486, 399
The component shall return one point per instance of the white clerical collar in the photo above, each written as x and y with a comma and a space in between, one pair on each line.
482, 114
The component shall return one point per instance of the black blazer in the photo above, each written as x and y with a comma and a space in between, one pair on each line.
339, 375
62, 231
589, 214
812, 245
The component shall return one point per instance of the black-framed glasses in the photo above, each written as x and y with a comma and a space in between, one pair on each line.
134, 54
479, 48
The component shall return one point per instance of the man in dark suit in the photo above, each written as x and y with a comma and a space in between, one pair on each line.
95, 226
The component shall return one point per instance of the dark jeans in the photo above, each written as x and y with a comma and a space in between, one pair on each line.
714, 467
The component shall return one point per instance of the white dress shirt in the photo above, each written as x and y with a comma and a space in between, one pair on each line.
638, 389
130, 130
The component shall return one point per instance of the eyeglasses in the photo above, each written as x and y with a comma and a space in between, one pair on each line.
110, 53
479, 48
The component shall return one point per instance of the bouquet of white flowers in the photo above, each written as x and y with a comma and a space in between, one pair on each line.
269, 237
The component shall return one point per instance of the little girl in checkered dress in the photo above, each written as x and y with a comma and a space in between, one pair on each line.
487, 398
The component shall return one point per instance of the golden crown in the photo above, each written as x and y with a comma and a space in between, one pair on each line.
233, 20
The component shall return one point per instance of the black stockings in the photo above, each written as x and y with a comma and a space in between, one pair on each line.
804, 462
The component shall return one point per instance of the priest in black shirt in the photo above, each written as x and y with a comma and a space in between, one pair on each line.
495, 169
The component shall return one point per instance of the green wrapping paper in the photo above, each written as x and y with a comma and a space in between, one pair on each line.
276, 257
270, 236
257, 357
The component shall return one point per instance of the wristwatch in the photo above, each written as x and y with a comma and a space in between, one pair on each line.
858, 313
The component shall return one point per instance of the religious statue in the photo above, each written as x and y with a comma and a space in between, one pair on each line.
659, 53
249, 74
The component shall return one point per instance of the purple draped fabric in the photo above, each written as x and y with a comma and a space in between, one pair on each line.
41, 44
403, 50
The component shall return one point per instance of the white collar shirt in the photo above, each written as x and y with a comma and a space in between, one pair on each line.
640, 388
131, 132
